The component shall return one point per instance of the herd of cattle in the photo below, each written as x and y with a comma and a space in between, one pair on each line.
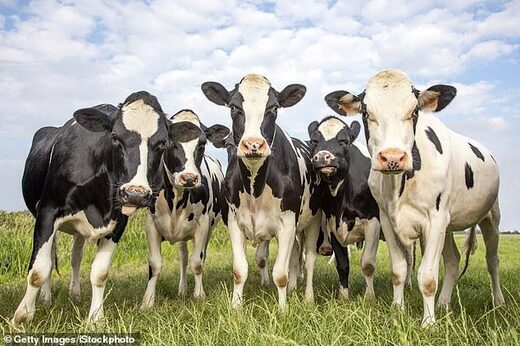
418, 180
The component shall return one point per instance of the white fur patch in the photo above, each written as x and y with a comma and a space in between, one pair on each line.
78, 223
330, 128
143, 119
186, 116
255, 91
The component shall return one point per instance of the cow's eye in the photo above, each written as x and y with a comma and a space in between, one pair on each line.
232, 108
161, 145
115, 139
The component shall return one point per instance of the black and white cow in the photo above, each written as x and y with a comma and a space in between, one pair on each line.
190, 202
270, 184
86, 178
350, 212
427, 180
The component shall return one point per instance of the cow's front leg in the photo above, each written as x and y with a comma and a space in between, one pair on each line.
183, 265
294, 266
311, 237
75, 264
238, 245
342, 265
45, 291
200, 238
262, 261
428, 274
40, 265
286, 239
154, 264
99, 277
397, 260
368, 261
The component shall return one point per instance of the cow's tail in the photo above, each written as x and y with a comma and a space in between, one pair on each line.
470, 245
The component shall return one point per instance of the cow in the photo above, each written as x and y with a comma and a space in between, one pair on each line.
86, 178
269, 185
190, 202
350, 211
427, 180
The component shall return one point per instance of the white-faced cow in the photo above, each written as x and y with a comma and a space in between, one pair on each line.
190, 202
351, 213
428, 181
270, 184
86, 178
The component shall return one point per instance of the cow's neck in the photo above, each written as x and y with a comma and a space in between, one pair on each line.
254, 175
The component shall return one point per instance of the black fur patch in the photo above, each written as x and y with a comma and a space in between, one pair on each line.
438, 202
477, 152
469, 176
150, 273
191, 216
432, 136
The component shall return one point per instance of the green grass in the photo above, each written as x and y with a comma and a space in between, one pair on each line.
472, 319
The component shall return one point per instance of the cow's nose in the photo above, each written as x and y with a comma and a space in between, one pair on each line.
323, 158
188, 179
392, 159
253, 146
135, 195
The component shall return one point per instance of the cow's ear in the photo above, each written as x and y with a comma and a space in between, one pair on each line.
217, 134
313, 127
355, 127
343, 102
93, 120
291, 95
437, 97
216, 92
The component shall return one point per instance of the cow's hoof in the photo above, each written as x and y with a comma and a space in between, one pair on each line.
22, 317
428, 322
183, 291
200, 295
309, 298
370, 295
443, 303
343, 293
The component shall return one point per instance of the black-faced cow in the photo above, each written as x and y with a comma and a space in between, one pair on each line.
427, 180
190, 202
86, 178
269, 185
351, 213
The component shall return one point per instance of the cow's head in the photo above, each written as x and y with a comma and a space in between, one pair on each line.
186, 146
136, 136
390, 107
254, 106
330, 142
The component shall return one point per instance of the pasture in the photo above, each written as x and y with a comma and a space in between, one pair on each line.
471, 320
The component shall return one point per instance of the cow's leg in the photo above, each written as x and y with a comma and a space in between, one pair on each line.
490, 233
99, 277
294, 266
286, 239
262, 261
200, 238
342, 265
397, 260
311, 237
409, 251
368, 261
238, 245
451, 270
154, 264
183, 265
428, 275
75, 263
45, 292
40, 265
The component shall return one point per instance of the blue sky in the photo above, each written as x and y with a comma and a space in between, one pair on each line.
56, 57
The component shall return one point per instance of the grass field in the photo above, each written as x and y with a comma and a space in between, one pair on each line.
471, 320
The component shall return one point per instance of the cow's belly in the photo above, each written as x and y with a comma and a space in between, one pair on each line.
181, 224
260, 218
357, 233
78, 223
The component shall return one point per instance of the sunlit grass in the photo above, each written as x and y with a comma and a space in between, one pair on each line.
471, 320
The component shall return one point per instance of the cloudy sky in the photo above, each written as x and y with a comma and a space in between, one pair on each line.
56, 57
